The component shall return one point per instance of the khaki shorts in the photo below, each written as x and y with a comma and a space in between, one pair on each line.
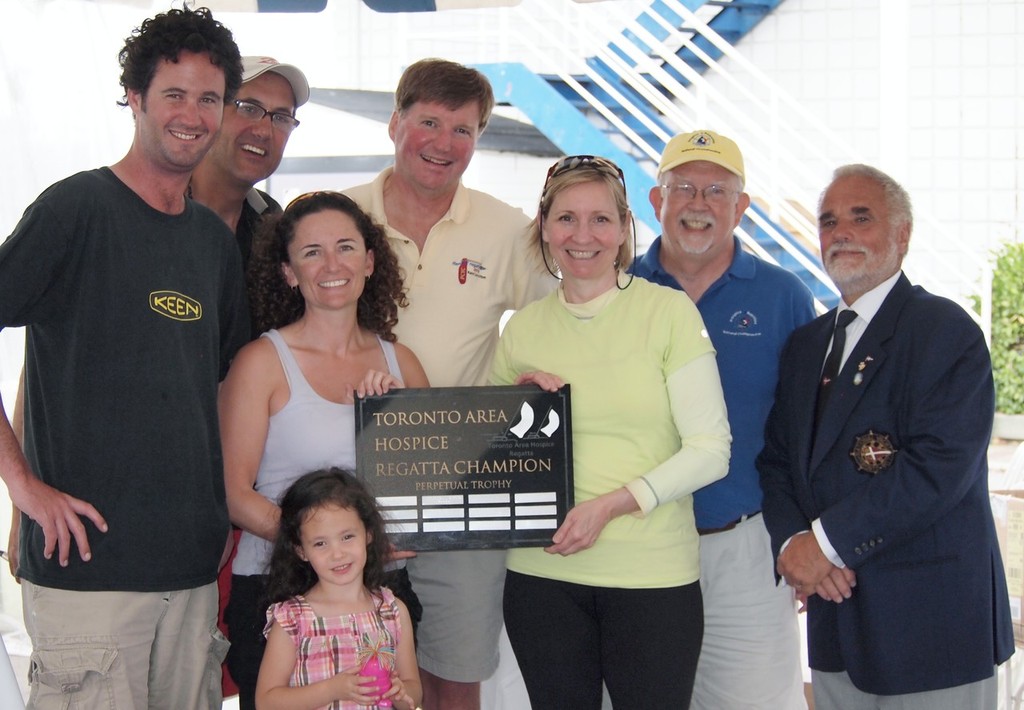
124, 649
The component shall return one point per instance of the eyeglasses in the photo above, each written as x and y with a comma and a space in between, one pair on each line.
577, 162
712, 194
283, 122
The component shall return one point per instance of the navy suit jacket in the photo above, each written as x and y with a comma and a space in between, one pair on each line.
930, 608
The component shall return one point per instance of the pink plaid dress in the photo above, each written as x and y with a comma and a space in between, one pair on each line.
325, 646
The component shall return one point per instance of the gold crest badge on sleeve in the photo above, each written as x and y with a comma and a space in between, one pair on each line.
873, 452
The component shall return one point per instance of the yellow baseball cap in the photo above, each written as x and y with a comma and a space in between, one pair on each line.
702, 145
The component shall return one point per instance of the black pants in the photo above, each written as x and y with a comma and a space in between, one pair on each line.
643, 643
246, 617
397, 580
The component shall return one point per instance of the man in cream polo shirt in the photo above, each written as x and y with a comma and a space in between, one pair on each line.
464, 258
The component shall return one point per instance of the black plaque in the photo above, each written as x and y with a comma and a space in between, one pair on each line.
456, 468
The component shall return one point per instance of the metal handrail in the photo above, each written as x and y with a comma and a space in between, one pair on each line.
780, 178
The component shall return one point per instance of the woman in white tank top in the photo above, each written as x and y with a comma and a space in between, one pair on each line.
325, 290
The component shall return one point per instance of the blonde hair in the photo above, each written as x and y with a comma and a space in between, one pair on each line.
577, 170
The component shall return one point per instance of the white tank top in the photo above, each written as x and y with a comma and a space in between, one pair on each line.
309, 433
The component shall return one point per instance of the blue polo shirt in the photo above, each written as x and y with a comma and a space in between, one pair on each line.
749, 313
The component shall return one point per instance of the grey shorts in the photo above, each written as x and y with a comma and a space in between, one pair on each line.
461, 593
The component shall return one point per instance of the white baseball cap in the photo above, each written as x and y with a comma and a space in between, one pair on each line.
252, 67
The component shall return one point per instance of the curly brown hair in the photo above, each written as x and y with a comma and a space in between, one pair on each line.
274, 304
166, 36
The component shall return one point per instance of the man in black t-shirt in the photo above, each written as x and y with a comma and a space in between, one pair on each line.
134, 305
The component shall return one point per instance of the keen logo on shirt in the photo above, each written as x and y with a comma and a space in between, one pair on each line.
176, 306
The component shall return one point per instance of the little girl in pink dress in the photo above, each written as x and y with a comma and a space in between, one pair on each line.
335, 638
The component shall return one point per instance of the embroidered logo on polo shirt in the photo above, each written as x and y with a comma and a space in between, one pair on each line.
176, 306
743, 323
469, 267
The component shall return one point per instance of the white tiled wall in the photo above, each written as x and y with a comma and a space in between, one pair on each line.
931, 91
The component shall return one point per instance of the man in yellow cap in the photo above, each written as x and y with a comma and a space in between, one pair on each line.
750, 656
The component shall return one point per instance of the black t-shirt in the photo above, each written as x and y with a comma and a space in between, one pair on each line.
248, 223
133, 316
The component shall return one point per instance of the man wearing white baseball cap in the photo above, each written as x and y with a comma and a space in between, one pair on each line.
750, 655
250, 146
248, 150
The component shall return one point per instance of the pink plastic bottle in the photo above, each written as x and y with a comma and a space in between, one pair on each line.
382, 677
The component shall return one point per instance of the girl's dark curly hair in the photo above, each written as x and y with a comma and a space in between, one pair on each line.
166, 36
274, 304
290, 574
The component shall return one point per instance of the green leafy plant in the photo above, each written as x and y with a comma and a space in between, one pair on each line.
1008, 328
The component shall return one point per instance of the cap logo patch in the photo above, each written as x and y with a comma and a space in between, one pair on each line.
702, 140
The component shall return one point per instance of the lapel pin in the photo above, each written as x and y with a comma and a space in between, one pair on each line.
858, 378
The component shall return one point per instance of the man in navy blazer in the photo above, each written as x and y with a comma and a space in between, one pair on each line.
879, 513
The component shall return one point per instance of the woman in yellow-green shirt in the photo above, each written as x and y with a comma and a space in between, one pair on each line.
616, 596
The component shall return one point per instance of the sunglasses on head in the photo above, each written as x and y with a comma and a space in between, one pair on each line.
578, 162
